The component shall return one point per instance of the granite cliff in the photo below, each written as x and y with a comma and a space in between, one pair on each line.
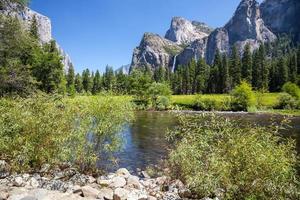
252, 23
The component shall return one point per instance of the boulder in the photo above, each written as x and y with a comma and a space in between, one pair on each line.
34, 183
106, 194
18, 181
123, 172
134, 182
118, 182
4, 169
120, 194
103, 182
90, 192
4, 195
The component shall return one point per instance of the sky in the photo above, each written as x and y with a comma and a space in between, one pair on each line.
96, 33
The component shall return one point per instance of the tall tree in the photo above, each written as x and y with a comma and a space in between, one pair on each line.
109, 80
34, 28
71, 80
235, 67
225, 78
87, 81
247, 64
78, 83
96, 83
283, 70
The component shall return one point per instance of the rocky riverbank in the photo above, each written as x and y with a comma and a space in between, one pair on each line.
68, 184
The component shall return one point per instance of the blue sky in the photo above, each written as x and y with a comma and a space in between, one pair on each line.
96, 33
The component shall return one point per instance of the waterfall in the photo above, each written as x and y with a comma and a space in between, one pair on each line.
196, 58
174, 63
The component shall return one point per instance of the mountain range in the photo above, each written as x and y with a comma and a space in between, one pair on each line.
252, 23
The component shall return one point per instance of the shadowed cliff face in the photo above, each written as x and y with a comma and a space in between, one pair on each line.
282, 16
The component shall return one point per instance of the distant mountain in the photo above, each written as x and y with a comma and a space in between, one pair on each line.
251, 23
44, 27
124, 69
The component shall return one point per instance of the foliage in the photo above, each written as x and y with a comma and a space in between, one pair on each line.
51, 130
287, 102
292, 89
159, 94
243, 97
213, 153
211, 104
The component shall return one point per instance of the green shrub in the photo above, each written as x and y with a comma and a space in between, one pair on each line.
213, 153
288, 102
163, 103
50, 130
292, 89
155, 93
243, 97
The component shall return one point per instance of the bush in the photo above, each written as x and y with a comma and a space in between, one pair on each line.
288, 102
163, 103
44, 129
243, 97
292, 89
155, 93
215, 154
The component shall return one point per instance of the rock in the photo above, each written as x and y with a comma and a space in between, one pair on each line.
103, 182
145, 174
18, 182
91, 179
154, 51
134, 181
120, 194
185, 32
123, 172
34, 183
106, 193
151, 198
4, 169
76, 189
282, 16
3, 195
45, 168
29, 198
90, 192
118, 182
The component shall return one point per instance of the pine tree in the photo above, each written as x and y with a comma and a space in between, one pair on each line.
247, 64
86, 80
34, 28
159, 74
235, 67
293, 67
255, 70
71, 80
96, 83
283, 71
109, 80
78, 83
225, 78
263, 66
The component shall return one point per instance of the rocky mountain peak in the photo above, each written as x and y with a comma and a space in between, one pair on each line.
182, 31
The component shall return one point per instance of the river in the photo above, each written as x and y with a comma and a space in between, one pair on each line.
145, 143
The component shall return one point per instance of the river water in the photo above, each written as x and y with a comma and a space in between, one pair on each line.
145, 143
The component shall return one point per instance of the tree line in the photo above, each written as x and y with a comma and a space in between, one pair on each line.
267, 69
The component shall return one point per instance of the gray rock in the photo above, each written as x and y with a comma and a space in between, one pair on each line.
282, 16
90, 192
118, 182
134, 182
3, 195
184, 32
145, 174
34, 183
154, 51
4, 169
29, 198
120, 194
123, 172
106, 193
18, 181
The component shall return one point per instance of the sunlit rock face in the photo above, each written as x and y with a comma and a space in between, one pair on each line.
184, 32
154, 51
246, 26
282, 16
43, 25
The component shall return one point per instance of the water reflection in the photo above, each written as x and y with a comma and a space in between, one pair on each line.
145, 142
